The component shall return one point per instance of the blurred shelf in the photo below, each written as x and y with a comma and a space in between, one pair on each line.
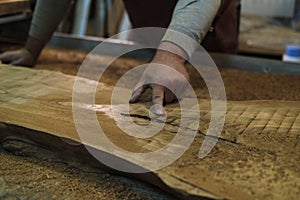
266, 36
10, 7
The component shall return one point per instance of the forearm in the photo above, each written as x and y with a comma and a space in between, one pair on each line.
46, 17
193, 18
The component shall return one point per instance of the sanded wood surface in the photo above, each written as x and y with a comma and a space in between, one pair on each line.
257, 155
8, 7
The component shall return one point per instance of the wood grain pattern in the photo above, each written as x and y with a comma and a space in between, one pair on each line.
257, 155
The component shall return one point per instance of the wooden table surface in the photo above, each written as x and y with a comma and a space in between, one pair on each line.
256, 157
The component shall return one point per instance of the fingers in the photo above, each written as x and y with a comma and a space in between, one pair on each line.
19, 57
16, 62
169, 96
158, 99
158, 96
137, 93
23, 62
10, 57
5, 57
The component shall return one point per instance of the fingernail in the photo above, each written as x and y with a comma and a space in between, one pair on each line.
158, 110
132, 100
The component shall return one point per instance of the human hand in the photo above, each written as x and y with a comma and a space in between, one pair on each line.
167, 76
21, 57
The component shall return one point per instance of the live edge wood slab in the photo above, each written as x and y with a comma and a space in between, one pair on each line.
257, 155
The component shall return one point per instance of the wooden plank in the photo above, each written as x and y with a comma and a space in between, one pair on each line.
257, 155
9, 7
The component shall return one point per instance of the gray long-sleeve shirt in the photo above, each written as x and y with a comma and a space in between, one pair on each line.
46, 17
191, 17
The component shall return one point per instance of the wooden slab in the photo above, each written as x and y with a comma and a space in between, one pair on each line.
257, 155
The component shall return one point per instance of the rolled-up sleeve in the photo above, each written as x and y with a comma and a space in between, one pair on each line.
193, 18
46, 17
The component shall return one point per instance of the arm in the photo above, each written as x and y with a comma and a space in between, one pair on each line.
192, 18
47, 16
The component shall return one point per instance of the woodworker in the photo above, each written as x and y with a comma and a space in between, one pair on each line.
213, 23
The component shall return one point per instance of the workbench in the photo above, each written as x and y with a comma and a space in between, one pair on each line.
256, 156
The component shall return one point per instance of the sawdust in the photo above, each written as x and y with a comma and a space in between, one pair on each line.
44, 178
239, 85
265, 162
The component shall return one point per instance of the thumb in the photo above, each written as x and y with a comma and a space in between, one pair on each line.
5, 57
